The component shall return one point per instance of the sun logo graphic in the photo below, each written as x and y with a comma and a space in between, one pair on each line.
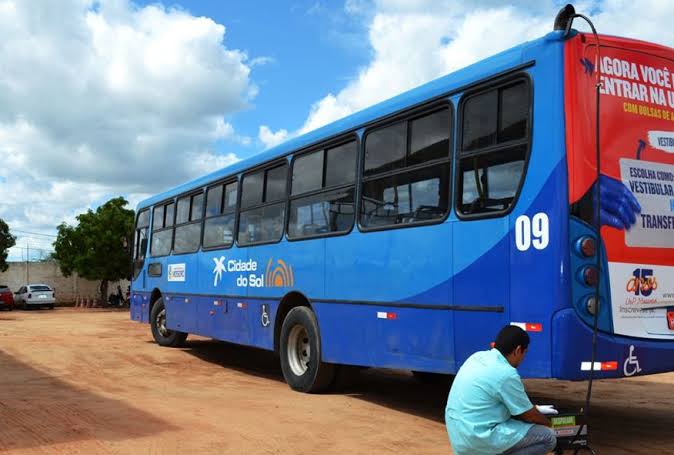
279, 274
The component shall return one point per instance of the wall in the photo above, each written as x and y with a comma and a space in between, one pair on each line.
67, 288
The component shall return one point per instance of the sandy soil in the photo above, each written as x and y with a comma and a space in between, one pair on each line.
90, 381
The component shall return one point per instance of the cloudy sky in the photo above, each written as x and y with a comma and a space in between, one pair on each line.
110, 97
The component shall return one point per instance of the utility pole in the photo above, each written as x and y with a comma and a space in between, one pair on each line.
27, 262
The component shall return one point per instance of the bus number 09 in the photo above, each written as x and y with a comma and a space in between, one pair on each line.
532, 231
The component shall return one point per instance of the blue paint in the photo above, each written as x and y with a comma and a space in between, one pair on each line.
410, 298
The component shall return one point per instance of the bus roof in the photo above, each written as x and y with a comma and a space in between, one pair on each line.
482, 69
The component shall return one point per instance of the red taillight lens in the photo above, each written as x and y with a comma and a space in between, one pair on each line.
588, 247
670, 318
590, 276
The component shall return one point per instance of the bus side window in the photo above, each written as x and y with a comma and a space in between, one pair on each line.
414, 186
162, 229
262, 214
495, 143
188, 224
220, 215
322, 200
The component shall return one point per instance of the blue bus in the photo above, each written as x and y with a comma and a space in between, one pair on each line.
407, 234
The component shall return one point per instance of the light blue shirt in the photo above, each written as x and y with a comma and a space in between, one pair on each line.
485, 394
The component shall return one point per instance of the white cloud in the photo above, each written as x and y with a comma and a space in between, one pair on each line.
99, 98
413, 42
259, 61
270, 138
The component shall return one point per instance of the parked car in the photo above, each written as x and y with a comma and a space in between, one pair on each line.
35, 295
6, 298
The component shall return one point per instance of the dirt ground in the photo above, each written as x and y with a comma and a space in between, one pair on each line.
91, 381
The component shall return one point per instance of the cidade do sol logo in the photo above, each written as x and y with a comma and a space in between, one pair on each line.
642, 282
277, 274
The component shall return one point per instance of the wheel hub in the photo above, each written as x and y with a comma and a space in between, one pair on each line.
299, 350
161, 324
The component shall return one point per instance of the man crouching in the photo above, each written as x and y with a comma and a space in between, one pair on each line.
488, 411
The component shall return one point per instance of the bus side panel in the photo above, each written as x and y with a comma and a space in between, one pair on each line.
386, 337
540, 273
139, 301
539, 268
287, 266
410, 267
260, 325
481, 287
397, 265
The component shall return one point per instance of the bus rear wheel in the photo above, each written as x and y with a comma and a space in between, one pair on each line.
300, 352
162, 335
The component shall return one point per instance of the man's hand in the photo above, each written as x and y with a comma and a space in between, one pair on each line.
534, 416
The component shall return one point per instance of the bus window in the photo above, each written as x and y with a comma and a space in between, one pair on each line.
183, 212
140, 237
162, 231
220, 216
252, 189
262, 216
329, 176
168, 214
158, 217
214, 200
406, 198
197, 207
385, 149
429, 138
418, 191
494, 149
340, 168
307, 172
188, 224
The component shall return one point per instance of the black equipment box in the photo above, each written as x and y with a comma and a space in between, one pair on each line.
566, 425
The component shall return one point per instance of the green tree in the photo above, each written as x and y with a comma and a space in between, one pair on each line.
97, 248
7, 241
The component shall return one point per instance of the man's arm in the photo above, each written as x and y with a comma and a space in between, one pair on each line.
534, 416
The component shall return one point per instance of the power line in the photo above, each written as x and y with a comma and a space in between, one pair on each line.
33, 233
30, 248
35, 239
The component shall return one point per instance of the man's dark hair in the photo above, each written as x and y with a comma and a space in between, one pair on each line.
509, 338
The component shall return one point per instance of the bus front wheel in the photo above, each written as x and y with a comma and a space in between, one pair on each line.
300, 350
162, 335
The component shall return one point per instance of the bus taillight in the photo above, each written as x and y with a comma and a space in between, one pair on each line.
587, 246
590, 276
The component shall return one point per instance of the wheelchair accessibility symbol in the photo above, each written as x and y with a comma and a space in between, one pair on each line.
264, 317
631, 366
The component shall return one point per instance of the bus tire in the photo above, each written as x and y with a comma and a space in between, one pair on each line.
300, 352
162, 335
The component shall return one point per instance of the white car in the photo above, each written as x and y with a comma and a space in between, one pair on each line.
34, 295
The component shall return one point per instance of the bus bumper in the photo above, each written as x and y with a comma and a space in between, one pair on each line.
616, 357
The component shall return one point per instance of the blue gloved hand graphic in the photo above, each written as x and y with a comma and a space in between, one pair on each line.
619, 207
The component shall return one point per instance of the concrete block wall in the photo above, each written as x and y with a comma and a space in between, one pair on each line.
48, 272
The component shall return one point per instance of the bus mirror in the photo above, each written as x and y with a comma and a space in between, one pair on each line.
564, 18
